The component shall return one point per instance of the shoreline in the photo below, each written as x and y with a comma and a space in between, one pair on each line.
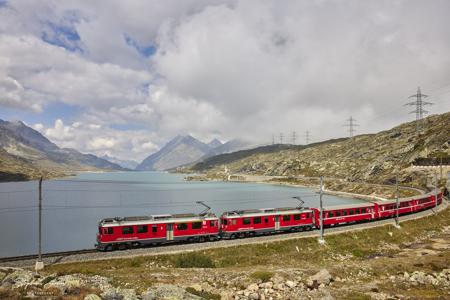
259, 179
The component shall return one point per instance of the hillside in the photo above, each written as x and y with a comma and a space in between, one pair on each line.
27, 154
368, 157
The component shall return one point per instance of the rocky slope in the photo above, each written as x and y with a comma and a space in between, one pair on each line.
370, 157
27, 154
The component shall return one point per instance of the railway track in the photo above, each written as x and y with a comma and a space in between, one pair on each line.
92, 254
46, 255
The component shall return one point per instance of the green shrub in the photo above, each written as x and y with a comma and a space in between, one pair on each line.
193, 260
264, 276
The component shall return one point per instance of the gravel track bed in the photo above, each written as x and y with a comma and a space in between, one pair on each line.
177, 248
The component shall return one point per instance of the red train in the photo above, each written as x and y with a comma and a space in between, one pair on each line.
122, 233
132, 232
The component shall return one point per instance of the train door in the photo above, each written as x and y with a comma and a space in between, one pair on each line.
169, 232
277, 222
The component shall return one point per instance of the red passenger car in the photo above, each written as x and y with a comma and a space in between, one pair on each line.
344, 214
122, 233
387, 209
244, 223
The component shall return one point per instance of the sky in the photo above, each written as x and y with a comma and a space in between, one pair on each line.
124, 77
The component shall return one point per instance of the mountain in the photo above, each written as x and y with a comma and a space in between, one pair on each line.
179, 151
230, 146
25, 153
129, 164
215, 143
369, 157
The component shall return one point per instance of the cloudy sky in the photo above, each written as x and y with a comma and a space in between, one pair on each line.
123, 77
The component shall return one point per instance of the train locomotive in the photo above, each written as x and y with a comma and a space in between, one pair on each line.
132, 232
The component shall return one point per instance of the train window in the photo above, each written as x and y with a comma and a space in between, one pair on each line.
338, 213
142, 229
182, 226
257, 220
246, 221
127, 230
330, 214
233, 222
352, 212
357, 211
286, 218
308, 215
296, 217
363, 210
266, 220
225, 222
196, 225
108, 230
212, 223
155, 228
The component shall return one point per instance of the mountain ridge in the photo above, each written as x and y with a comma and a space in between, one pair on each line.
369, 157
27, 154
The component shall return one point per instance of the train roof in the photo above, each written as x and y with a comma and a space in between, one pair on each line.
265, 212
156, 219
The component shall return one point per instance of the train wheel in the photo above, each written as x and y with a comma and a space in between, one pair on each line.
109, 248
135, 245
122, 246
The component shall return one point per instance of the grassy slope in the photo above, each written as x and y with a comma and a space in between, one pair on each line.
344, 255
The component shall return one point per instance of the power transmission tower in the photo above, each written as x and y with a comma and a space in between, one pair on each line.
419, 111
307, 137
351, 126
273, 139
281, 138
293, 137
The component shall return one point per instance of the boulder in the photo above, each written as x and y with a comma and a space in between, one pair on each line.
322, 277
149, 294
18, 278
290, 284
127, 294
92, 297
172, 292
253, 287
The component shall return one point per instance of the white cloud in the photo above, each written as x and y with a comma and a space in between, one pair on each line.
100, 140
222, 68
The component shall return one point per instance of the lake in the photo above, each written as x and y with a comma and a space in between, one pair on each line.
73, 206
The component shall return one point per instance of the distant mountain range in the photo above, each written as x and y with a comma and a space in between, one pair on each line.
125, 163
183, 150
27, 154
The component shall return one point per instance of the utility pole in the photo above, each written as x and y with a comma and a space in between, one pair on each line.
436, 184
307, 137
351, 126
293, 137
321, 240
39, 263
397, 202
419, 104
281, 138
273, 139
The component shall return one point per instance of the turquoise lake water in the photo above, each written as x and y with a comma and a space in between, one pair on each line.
72, 207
